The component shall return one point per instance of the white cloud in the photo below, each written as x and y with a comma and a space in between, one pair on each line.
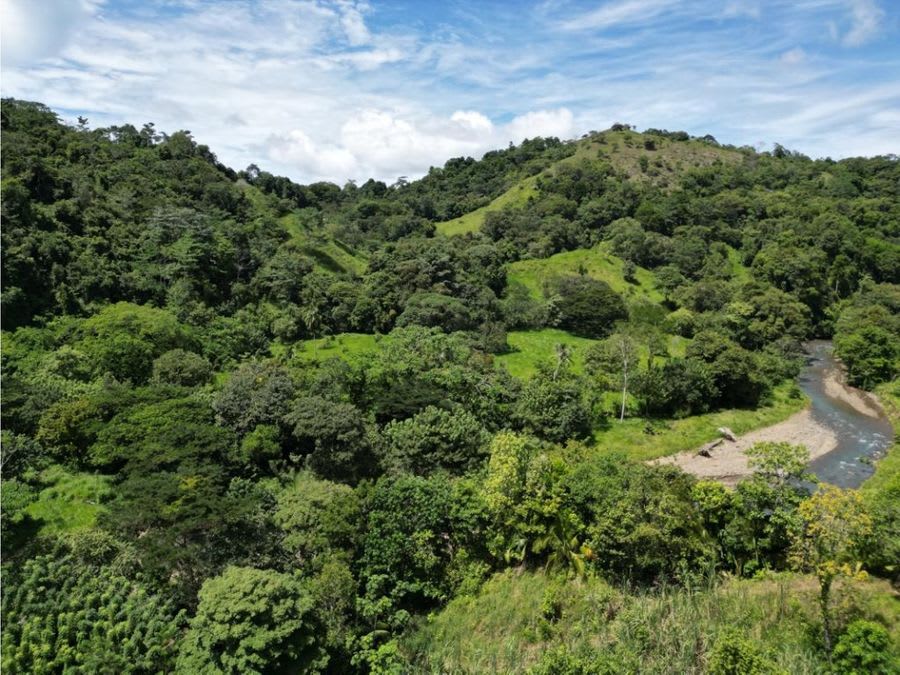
558, 123
33, 30
316, 89
354, 25
866, 17
362, 60
472, 119
320, 161
740, 8
618, 13
385, 145
793, 56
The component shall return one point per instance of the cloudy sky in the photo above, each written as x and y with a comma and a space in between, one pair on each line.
335, 90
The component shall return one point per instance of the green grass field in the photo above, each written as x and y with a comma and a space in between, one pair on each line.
346, 346
503, 629
672, 436
328, 254
517, 195
70, 501
528, 349
596, 262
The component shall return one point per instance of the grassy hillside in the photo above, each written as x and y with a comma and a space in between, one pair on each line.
346, 346
596, 262
327, 253
69, 501
517, 195
625, 150
667, 159
528, 349
518, 615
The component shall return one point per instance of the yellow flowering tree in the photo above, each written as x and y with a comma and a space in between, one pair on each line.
831, 526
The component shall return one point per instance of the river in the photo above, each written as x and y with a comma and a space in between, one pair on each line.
861, 438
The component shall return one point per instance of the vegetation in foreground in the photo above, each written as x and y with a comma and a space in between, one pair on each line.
255, 426
532, 621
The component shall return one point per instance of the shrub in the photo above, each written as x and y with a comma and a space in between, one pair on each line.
864, 649
181, 367
734, 654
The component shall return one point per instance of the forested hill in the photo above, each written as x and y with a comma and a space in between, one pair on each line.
104, 215
256, 426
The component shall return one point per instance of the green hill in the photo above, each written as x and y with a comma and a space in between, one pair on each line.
642, 157
517, 195
597, 262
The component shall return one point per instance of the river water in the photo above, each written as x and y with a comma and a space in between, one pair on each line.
861, 438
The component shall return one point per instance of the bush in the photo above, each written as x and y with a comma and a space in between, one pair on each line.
564, 661
734, 654
183, 368
864, 649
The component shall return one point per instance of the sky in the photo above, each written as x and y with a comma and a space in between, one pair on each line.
340, 90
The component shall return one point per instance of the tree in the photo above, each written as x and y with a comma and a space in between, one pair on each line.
870, 353
780, 464
181, 368
411, 538
586, 306
435, 439
615, 358
253, 621
831, 527
318, 518
124, 339
553, 408
332, 436
256, 393
65, 611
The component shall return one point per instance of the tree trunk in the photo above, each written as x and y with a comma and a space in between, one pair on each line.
624, 392
824, 600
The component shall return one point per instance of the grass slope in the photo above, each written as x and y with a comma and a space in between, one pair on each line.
346, 346
529, 349
517, 195
327, 253
596, 262
504, 628
624, 150
887, 469
665, 163
69, 502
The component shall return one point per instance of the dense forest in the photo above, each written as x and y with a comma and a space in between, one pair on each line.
252, 426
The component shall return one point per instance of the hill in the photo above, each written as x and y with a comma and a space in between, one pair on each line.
300, 417
654, 158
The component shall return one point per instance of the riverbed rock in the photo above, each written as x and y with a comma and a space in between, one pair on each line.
725, 432
706, 450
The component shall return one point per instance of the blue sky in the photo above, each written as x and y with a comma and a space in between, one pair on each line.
339, 90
